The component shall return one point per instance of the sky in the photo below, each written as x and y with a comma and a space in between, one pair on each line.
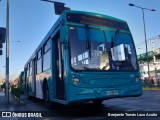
30, 20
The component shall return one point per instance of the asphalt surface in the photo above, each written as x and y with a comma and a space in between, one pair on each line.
148, 102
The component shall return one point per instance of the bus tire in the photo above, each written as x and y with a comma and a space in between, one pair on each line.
98, 102
46, 97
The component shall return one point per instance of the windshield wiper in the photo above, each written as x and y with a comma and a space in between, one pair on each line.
115, 38
88, 42
86, 68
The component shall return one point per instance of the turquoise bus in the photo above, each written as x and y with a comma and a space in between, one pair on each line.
84, 57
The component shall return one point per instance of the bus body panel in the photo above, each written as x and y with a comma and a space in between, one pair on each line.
100, 86
77, 94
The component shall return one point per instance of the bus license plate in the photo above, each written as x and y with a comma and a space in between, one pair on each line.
112, 92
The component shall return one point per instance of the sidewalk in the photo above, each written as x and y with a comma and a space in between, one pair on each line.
2, 97
12, 100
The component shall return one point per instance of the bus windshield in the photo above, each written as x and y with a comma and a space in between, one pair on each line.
97, 49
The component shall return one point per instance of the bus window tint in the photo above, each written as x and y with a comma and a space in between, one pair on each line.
115, 50
82, 33
79, 38
47, 56
39, 62
96, 35
40, 54
47, 46
39, 66
30, 71
122, 49
47, 60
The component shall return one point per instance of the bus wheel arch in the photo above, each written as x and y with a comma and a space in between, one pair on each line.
44, 87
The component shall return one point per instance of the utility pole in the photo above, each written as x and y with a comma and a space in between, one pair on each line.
154, 58
142, 8
7, 52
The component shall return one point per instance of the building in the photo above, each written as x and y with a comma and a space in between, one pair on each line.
154, 64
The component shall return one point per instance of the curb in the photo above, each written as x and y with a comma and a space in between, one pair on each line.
147, 88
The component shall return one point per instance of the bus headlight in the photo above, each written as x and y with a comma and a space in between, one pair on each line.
76, 81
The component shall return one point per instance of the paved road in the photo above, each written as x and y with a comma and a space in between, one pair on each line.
149, 101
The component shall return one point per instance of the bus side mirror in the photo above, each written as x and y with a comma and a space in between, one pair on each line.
63, 33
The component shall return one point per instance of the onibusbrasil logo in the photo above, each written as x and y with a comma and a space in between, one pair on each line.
21, 114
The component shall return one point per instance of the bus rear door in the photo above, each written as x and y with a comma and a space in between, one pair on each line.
34, 75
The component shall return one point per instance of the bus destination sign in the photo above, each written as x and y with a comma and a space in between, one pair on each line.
96, 21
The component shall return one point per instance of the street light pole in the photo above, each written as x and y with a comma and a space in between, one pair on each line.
146, 44
144, 33
7, 52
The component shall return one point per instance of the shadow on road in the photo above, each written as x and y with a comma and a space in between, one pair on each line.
73, 110
79, 110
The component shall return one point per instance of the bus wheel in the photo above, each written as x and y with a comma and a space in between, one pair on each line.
47, 97
97, 101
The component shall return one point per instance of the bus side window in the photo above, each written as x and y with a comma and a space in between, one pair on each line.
47, 56
39, 61
30, 69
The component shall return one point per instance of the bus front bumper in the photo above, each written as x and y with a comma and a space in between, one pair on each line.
77, 94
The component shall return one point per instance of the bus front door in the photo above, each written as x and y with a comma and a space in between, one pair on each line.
59, 68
